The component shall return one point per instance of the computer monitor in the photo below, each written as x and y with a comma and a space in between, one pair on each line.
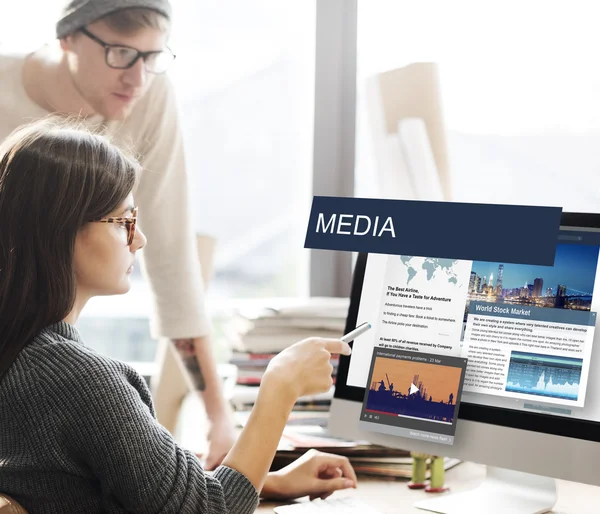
531, 396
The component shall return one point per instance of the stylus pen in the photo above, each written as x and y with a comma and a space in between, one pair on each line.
351, 336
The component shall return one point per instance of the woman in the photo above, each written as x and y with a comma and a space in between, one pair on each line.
78, 431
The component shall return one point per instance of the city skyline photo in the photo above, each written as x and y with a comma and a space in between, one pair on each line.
574, 267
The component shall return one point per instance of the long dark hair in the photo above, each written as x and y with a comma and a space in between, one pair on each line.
54, 178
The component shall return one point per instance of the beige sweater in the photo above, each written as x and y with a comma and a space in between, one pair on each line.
153, 133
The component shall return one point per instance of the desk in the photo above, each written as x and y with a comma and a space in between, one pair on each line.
394, 497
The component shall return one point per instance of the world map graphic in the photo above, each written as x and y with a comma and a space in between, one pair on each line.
432, 267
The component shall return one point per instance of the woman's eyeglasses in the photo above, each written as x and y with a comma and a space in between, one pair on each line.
128, 222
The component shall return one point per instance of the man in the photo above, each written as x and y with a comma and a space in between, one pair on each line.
109, 69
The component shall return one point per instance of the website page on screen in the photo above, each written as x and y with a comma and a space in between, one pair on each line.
526, 331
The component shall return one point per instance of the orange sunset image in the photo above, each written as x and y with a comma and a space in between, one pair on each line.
414, 389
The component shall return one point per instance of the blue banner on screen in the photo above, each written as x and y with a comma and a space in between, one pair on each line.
483, 232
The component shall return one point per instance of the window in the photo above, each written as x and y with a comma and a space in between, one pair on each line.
245, 79
520, 94
244, 75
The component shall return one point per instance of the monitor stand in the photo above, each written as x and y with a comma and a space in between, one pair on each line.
501, 492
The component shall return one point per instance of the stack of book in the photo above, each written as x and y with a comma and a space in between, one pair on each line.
271, 327
259, 332
244, 396
303, 433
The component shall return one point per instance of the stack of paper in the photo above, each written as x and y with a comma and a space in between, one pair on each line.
366, 459
260, 332
244, 397
273, 327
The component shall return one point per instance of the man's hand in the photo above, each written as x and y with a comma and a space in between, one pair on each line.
221, 438
315, 474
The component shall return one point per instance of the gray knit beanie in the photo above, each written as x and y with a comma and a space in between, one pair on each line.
78, 13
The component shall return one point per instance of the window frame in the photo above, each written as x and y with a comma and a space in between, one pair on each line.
334, 131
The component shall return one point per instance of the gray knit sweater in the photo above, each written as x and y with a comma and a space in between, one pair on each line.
78, 434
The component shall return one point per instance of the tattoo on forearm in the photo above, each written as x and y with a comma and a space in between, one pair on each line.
187, 351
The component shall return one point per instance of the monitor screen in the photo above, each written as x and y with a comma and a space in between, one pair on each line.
527, 332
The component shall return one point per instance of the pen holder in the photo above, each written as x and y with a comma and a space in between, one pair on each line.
436, 480
419, 473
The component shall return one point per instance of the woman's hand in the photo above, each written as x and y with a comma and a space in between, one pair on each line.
305, 367
315, 474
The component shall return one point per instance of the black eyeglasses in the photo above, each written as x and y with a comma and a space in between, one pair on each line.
124, 57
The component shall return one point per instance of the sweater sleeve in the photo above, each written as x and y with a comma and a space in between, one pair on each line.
108, 425
170, 258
